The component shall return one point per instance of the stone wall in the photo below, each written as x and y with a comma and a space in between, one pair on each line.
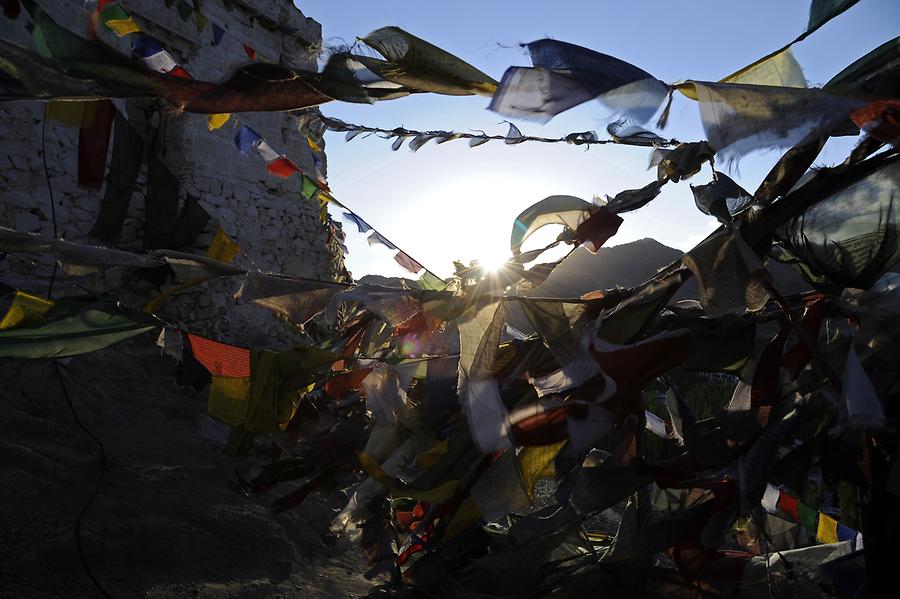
278, 231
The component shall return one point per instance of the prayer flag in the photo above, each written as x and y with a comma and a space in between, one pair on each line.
408, 263
26, 309
377, 237
180, 72
827, 529
217, 34
788, 504
251, 53
282, 167
152, 54
808, 517
267, 152
362, 225
118, 21
223, 248
308, 188
845, 533
246, 139
220, 359
214, 121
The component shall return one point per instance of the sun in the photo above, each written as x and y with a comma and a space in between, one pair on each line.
492, 261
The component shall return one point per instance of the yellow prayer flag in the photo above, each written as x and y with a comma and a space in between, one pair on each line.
229, 398
533, 461
223, 247
26, 309
312, 144
122, 27
780, 70
827, 530
214, 121
465, 516
427, 458
69, 113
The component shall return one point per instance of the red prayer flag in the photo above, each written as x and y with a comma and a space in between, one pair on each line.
250, 51
597, 229
283, 167
789, 505
93, 142
180, 72
880, 119
220, 359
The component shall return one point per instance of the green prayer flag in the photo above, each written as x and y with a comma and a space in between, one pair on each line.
71, 328
127, 156
185, 10
308, 188
191, 221
808, 517
161, 206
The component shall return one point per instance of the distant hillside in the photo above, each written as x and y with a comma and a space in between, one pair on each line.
623, 265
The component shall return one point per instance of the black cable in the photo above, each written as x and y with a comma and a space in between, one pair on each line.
50, 192
62, 382
96, 492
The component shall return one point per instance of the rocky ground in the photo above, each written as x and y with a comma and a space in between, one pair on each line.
168, 521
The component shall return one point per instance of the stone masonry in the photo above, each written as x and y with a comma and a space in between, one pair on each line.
278, 231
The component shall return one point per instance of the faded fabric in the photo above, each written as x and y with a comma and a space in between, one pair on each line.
93, 142
740, 118
127, 158
565, 75
72, 328
296, 299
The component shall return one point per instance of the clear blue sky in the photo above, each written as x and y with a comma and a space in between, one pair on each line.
454, 202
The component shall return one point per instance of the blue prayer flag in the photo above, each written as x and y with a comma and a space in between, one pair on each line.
246, 139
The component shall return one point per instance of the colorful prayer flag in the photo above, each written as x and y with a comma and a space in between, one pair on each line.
788, 504
251, 53
152, 54
217, 34
408, 263
282, 167
179, 71
220, 359
118, 21
377, 237
26, 309
267, 152
308, 188
246, 139
827, 529
214, 121
223, 248
808, 516
362, 225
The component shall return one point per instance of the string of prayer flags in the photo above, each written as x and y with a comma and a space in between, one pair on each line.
824, 526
